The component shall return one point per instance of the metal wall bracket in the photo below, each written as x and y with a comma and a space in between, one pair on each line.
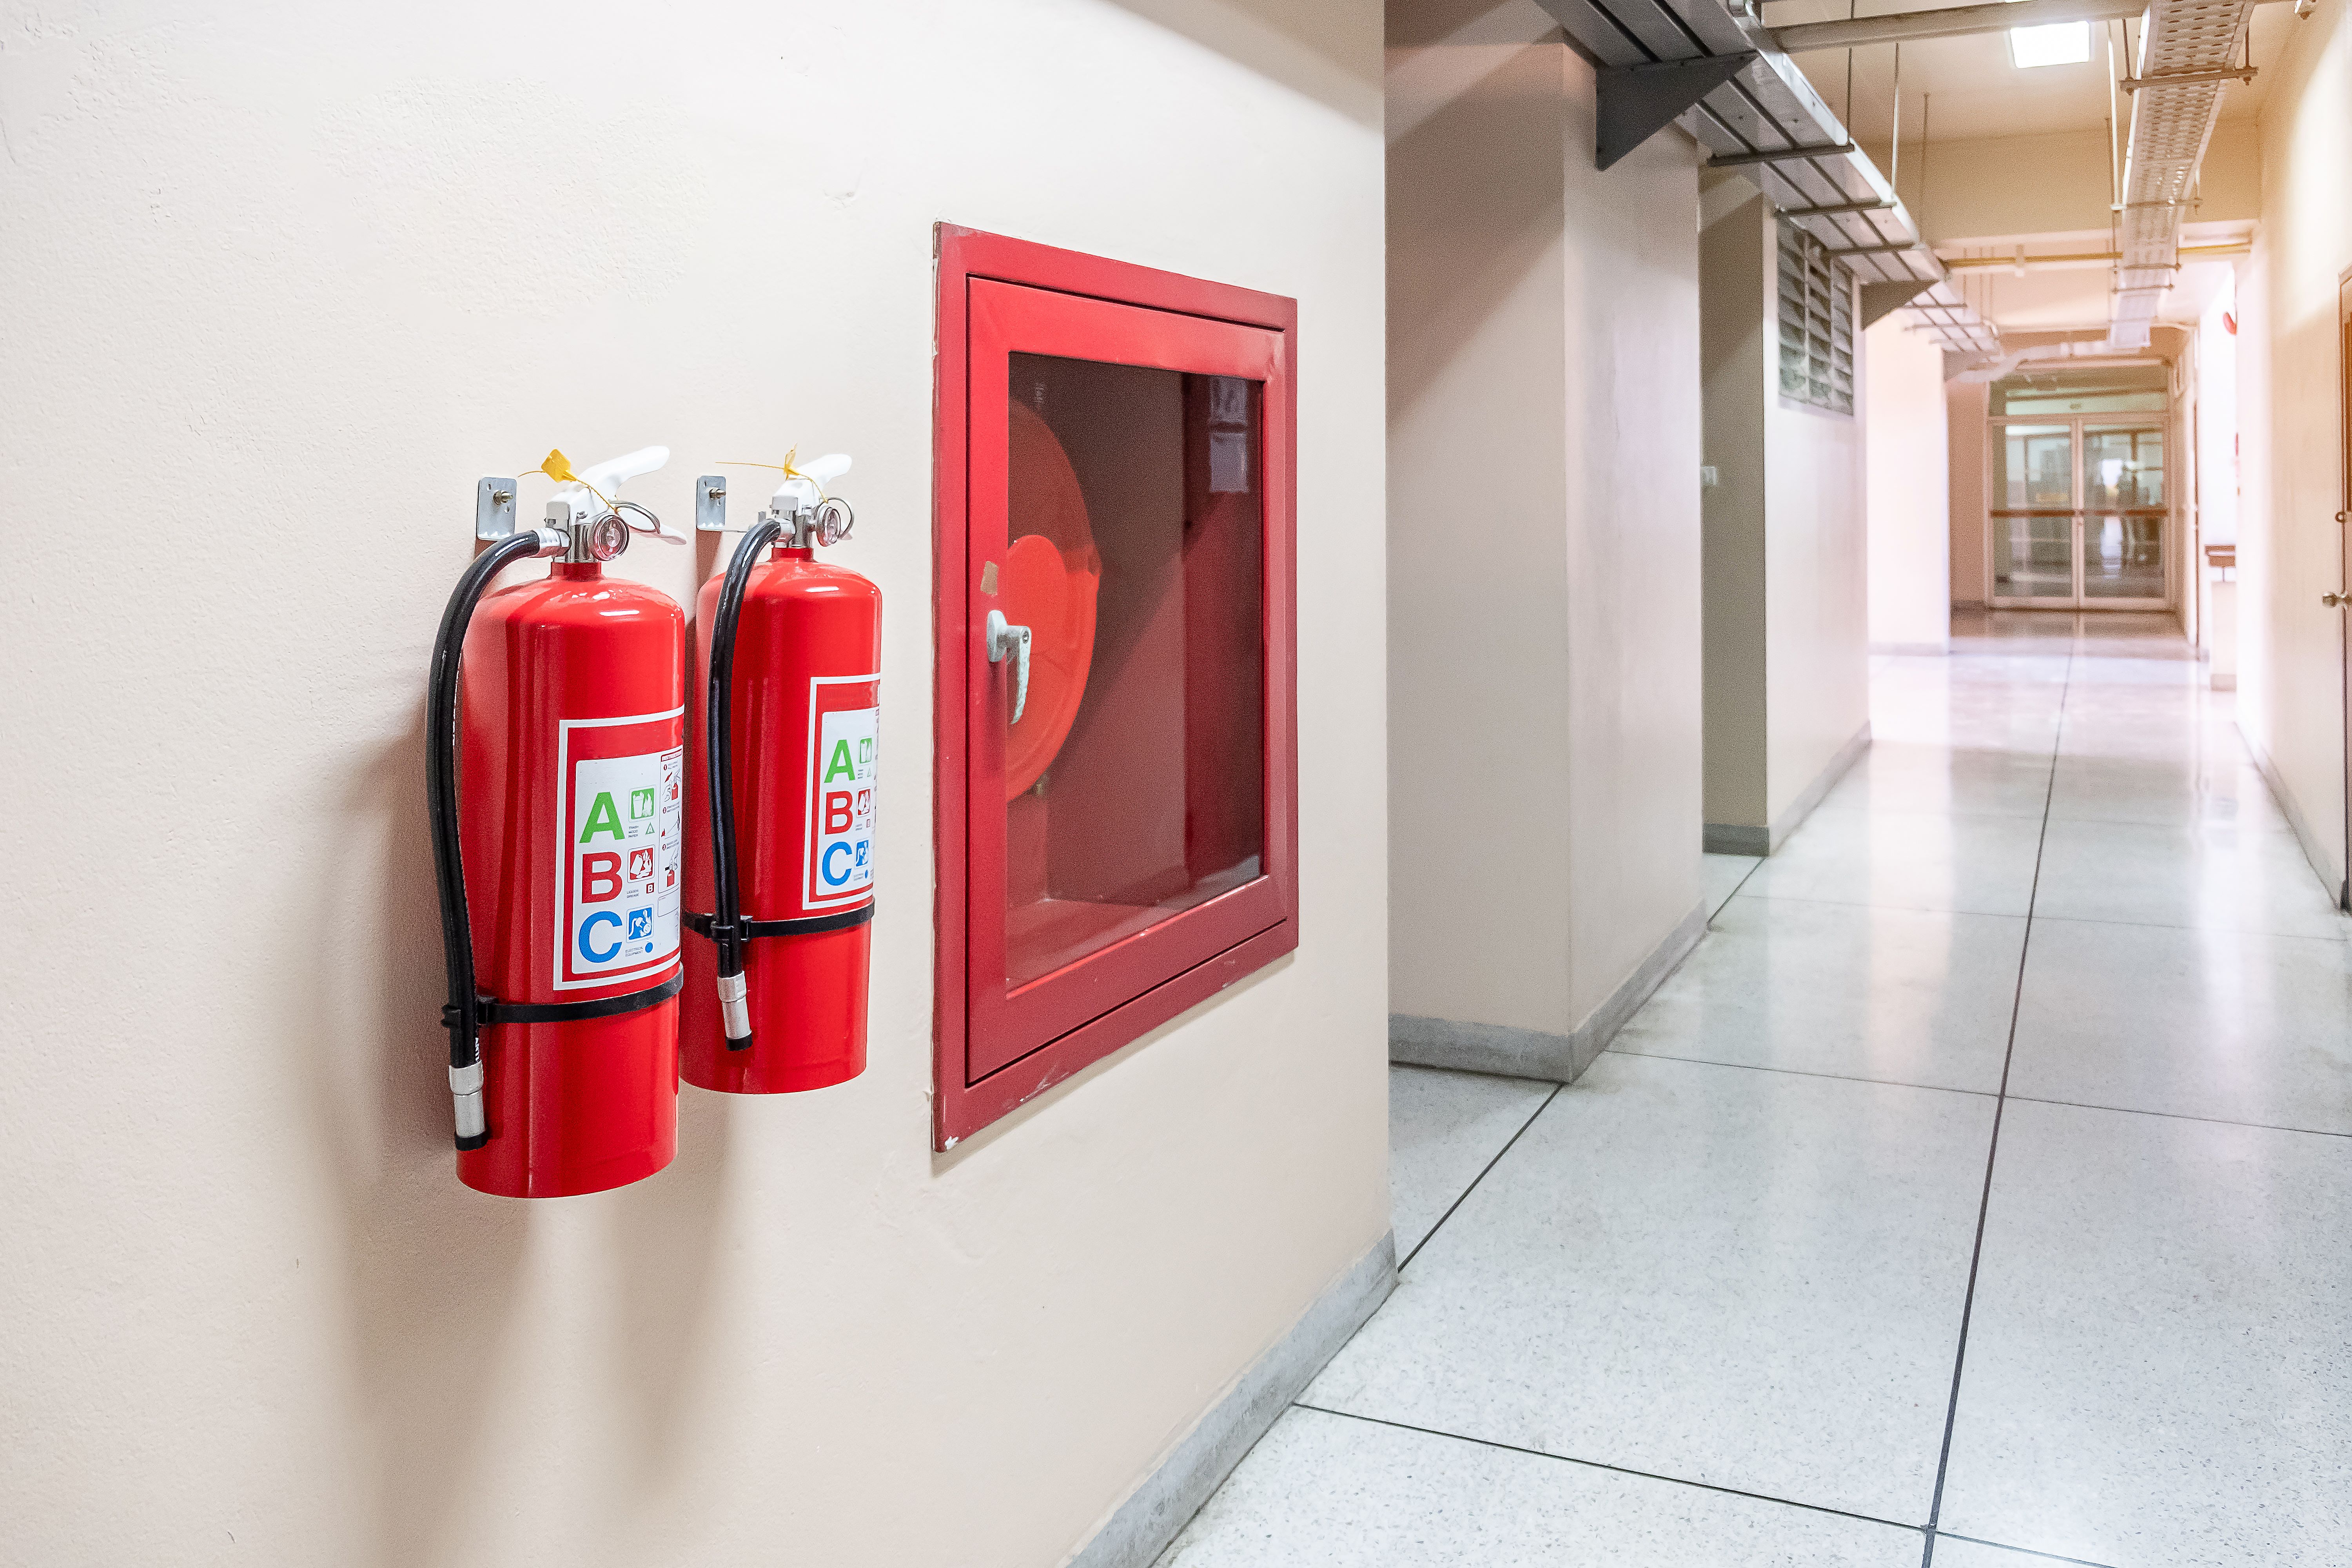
1784, 155
1895, 249
1838, 211
2186, 79
1882, 299
494, 508
710, 504
1636, 102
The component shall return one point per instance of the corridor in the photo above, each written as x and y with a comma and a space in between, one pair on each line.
1972, 1195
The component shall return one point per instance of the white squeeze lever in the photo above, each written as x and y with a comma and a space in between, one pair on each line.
606, 478
803, 487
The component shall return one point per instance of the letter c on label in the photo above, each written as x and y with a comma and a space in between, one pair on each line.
831, 878
601, 917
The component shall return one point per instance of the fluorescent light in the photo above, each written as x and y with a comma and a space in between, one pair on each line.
2059, 44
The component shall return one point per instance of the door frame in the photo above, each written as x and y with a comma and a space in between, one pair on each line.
2343, 552
2077, 601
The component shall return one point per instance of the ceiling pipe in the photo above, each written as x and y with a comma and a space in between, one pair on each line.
2083, 258
1954, 22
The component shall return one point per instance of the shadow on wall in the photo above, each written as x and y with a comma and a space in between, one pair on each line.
1474, 196
445, 1283
1305, 45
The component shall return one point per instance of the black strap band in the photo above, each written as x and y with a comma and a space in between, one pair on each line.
807, 925
496, 1012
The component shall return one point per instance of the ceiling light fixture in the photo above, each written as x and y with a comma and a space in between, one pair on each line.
2058, 44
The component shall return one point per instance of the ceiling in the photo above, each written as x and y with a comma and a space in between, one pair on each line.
2049, 295
1965, 88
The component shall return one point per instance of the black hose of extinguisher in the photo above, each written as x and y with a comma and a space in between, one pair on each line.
462, 1015
727, 933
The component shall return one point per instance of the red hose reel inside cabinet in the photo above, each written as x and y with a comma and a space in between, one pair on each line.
1052, 576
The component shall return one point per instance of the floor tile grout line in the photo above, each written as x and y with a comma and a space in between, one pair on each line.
2022, 1551
1898, 909
1601, 1465
1992, 1144
1985, 1094
2339, 939
1615, 1050
2180, 1116
2006, 915
1480, 1176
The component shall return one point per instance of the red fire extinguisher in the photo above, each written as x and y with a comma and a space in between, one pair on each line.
557, 792
780, 835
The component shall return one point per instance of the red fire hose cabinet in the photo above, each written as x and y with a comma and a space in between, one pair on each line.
1117, 781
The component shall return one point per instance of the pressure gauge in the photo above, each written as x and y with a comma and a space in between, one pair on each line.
833, 521
608, 536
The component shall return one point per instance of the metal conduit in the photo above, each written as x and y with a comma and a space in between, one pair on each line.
2171, 123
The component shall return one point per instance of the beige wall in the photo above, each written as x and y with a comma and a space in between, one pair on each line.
1975, 192
1787, 588
1817, 592
1543, 533
1965, 406
1908, 489
1736, 258
2289, 546
282, 281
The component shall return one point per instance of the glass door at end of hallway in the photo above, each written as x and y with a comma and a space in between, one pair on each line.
2079, 514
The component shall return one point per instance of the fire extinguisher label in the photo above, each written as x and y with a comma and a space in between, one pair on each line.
620, 869
845, 736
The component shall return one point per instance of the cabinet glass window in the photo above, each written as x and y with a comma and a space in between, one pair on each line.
1134, 776
1816, 312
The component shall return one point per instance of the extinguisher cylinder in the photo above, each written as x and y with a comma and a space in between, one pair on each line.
776, 999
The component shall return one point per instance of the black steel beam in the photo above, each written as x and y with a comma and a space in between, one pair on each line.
1880, 300
1636, 102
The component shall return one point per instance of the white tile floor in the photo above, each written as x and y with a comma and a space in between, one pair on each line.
1976, 1195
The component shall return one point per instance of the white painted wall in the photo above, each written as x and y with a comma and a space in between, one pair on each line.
1543, 529
1787, 576
282, 281
2214, 407
2290, 549
1908, 489
2217, 418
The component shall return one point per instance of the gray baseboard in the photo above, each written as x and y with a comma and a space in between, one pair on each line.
1734, 838
2331, 875
1740, 838
1140, 1527
1533, 1053
2222, 682
1913, 649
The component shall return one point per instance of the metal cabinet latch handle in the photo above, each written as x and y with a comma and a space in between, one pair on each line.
2334, 600
1004, 638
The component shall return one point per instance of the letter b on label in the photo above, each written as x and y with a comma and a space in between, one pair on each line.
600, 878
837, 816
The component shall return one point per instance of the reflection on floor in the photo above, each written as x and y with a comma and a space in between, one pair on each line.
1978, 1189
